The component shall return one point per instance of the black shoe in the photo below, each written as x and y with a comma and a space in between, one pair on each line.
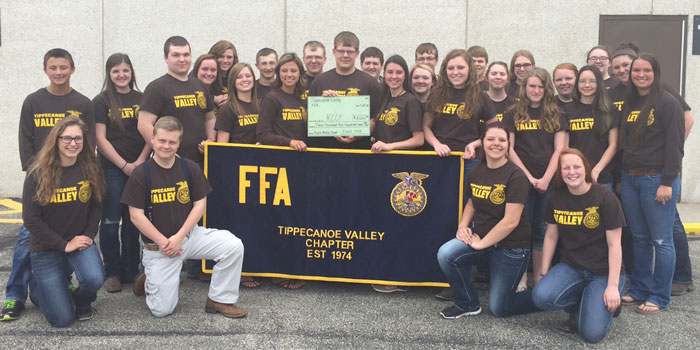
446, 294
618, 311
84, 313
453, 312
569, 326
12, 310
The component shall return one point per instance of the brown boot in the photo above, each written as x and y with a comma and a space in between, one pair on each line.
228, 310
140, 285
113, 285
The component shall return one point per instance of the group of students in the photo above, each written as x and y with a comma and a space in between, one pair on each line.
516, 135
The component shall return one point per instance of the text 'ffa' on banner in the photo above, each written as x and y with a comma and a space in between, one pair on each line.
336, 215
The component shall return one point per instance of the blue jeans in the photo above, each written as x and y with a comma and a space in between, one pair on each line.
683, 272
535, 208
48, 284
580, 293
506, 266
651, 224
16, 288
121, 260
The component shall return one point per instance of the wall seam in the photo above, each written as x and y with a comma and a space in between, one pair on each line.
466, 24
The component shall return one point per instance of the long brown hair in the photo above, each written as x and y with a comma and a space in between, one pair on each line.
550, 110
47, 166
113, 100
233, 100
602, 110
218, 50
444, 88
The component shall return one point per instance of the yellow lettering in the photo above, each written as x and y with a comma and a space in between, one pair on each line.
282, 189
243, 182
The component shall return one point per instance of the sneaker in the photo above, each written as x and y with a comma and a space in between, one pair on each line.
140, 285
228, 310
569, 326
12, 310
113, 285
84, 313
453, 312
387, 288
678, 289
446, 294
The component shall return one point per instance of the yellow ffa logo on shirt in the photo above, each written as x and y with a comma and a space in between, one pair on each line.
85, 192
390, 117
201, 100
460, 112
592, 218
73, 113
183, 192
353, 92
408, 198
498, 196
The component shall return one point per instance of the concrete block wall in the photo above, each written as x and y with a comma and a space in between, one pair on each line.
555, 31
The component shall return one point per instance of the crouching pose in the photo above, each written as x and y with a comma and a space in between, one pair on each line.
167, 195
587, 218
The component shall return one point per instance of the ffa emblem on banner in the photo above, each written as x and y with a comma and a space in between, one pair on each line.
498, 196
201, 100
353, 92
183, 192
592, 218
84, 193
408, 198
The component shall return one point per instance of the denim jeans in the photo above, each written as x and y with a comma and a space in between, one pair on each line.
506, 266
16, 288
120, 259
535, 208
48, 283
651, 224
580, 293
683, 272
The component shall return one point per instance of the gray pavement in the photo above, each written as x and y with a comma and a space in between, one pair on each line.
336, 315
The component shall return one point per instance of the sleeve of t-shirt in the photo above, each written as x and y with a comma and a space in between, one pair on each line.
134, 194
26, 135
563, 120
549, 210
611, 211
225, 119
677, 96
488, 110
35, 224
508, 121
414, 115
88, 117
101, 110
152, 100
673, 117
469, 185
269, 111
93, 218
517, 187
375, 94
314, 90
210, 100
199, 186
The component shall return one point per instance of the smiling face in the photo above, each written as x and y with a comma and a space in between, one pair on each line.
587, 84
521, 66
179, 60
266, 65
497, 77
120, 75
421, 81
394, 76
68, 151
621, 67
289, 75
573, 171
495, 144
165, 143
534, 91
642, 75
372, 66
245, 80
226, 60
207, 72
59, 70
458, 72
600, 59
564, 80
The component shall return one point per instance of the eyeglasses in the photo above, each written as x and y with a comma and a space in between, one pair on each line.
425, 59
522, 65
346, 52
598, 59
68, 139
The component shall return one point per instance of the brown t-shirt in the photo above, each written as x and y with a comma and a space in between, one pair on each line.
611, 83
241, 127
513, 90
401, 117
533, 144
582, 221
188, 101
40, 112
617, 95
491, 189
127, 141
262, 90
455, 128
282, 119
661, 147
172, 196
500, 107
72, 211
584, 137
358, 83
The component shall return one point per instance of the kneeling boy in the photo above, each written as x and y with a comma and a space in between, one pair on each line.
167, 196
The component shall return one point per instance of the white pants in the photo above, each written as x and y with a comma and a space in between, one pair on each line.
163, 273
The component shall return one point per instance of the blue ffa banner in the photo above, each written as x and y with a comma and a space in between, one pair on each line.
336, 215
